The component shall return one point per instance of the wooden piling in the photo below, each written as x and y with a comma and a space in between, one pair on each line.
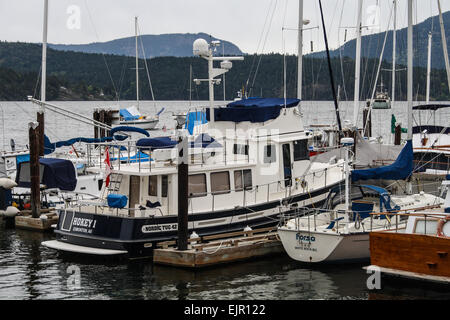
96, 117
40, 119
102, 120
33, 132
183, 176
398, 135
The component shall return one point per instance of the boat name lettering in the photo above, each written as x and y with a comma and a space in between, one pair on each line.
301, 237
83, 222
159, 227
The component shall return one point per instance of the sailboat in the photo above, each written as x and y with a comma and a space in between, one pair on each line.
339, 231
382, 100
131, 116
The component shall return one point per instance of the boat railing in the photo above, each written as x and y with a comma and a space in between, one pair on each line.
267, 192
340, 219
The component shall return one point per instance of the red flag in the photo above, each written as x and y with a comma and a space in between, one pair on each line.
108, 166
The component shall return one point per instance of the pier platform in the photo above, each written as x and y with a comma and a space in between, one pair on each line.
219, 249
44, 223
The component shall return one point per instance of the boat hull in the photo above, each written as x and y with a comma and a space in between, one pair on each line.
138, 236
316, 247
142, 124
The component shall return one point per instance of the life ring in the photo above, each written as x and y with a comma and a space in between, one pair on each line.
440, 226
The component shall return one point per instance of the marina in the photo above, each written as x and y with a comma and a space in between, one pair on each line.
253, 197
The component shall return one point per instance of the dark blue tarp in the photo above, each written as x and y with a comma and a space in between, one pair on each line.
57, 173
253, 109
50, 147
117, 201
156, 143
128, 128
432, 107
399, 170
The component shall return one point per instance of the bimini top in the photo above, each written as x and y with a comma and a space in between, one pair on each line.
55, 173
252, 109
156, 143
432, 107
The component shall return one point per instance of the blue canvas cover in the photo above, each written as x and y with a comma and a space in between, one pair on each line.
117, 200
50, 147
127, 115
194, 119
156, 143
253, 109
57, 173
128, 129
401, 169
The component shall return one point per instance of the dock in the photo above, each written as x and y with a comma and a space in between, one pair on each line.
44, 223
208, 251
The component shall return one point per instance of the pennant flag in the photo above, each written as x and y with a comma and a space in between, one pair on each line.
108, 168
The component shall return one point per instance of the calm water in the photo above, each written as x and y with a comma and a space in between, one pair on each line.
30, 271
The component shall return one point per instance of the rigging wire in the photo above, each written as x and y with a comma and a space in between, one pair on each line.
146, 69
103, 54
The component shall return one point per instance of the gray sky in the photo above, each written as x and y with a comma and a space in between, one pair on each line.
242, 22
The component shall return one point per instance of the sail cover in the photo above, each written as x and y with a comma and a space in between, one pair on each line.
399, 170
54, 173
252, 109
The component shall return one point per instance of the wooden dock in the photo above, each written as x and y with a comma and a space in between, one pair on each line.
43, 223
219, 249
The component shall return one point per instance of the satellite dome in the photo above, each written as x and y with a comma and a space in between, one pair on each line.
200, 47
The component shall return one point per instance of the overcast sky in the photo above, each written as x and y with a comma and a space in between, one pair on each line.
243, 22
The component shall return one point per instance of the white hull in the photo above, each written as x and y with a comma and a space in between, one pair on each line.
320, 247
142, 124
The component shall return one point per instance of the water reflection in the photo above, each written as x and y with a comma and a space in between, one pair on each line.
30, 271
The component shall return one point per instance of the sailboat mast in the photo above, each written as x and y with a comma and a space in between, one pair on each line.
190, 85
358, 63
410, 67
137, 61
40, 115
429, 67
444, 43
394, 52
300, 50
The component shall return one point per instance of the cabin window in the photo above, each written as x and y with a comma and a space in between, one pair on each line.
153, 186
269, 153
240, 149
197, 185
164, 186
220, 182
242, 179
431, 227
301, 151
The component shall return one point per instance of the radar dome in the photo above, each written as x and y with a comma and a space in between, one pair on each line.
201, 47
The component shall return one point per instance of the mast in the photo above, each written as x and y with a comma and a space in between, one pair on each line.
358, 63
40, 114
190, 85
444, 43
137, 61
394, 52
330, 70
410, 67
429, 67
300, 50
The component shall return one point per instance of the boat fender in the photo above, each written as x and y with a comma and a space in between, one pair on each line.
11, 212
357, 221
440, 226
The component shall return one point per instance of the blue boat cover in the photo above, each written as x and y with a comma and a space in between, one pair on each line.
126, 129
127, 115
399, 170
253, 109
194, 119
50, 147
156, 143
431, 129
57, 173
117, 200
133, 159
432, 107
